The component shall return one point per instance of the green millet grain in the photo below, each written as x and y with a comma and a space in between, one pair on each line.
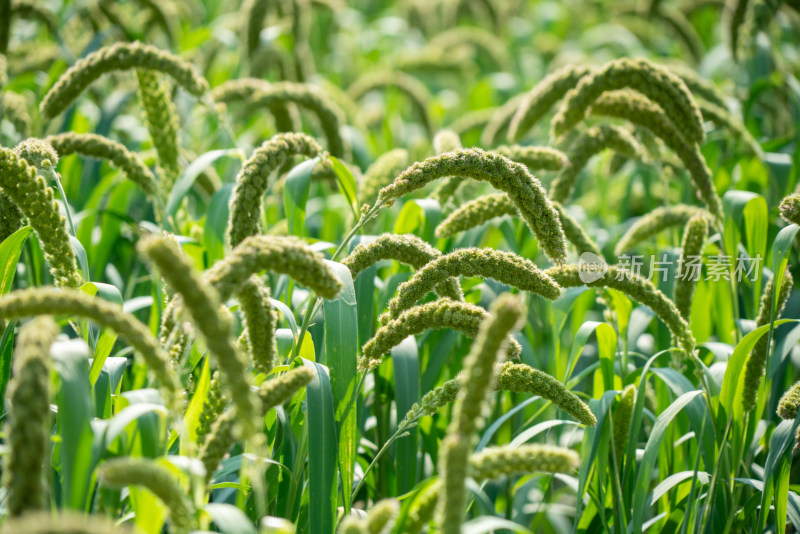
253, 180
28, 427
408, 249
119, 56
694, 240
656, 83
202, 304
129, 471
654, 222
756, 363
503, 174
542, 97
75, 303
442, 313
505, 267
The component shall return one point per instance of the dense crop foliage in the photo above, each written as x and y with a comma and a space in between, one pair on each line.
401, 266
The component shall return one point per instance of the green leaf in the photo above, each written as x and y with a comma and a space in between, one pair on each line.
647, 465
190, 174
489, 524
6, 355
295, 195
732, 382
405, 359
10, 249
322, 468
229, 519
410, 218
71, 361
192, 417
776, 473
107, 338
347, 186
106, 384
341, 352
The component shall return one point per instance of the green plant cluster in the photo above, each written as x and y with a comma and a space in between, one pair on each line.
402, 266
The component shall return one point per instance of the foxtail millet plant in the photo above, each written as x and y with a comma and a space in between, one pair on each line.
472, 120
535, 157
29, 9
479, 39
469, 408
407, 249
637, 288
75, 303
637, 109
522, 378
447, 141
723, 118
790, 402
156, 478
162, 122
212, 321
790, 208
162, 14
28, 190
381, 516
381, 173
487, 207
516, 377
682, 29
503, 174
14, 109
408, 85
497, 127
656, 83
622, 423
542, 97
11, 218
256, 12
64, 522
283, 113
119, 56
276, 391
260, 321
576, 234
700, 87
656, 221
475, 213
217, 442
219, 437
28, 429
253, 180
442, 313
278, 254
505, 267
590, 142
496, 462
694, 240
331, 117
756, 363
351, 525
215, 403
99, 147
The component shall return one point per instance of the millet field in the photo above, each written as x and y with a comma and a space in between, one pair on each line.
399, 266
